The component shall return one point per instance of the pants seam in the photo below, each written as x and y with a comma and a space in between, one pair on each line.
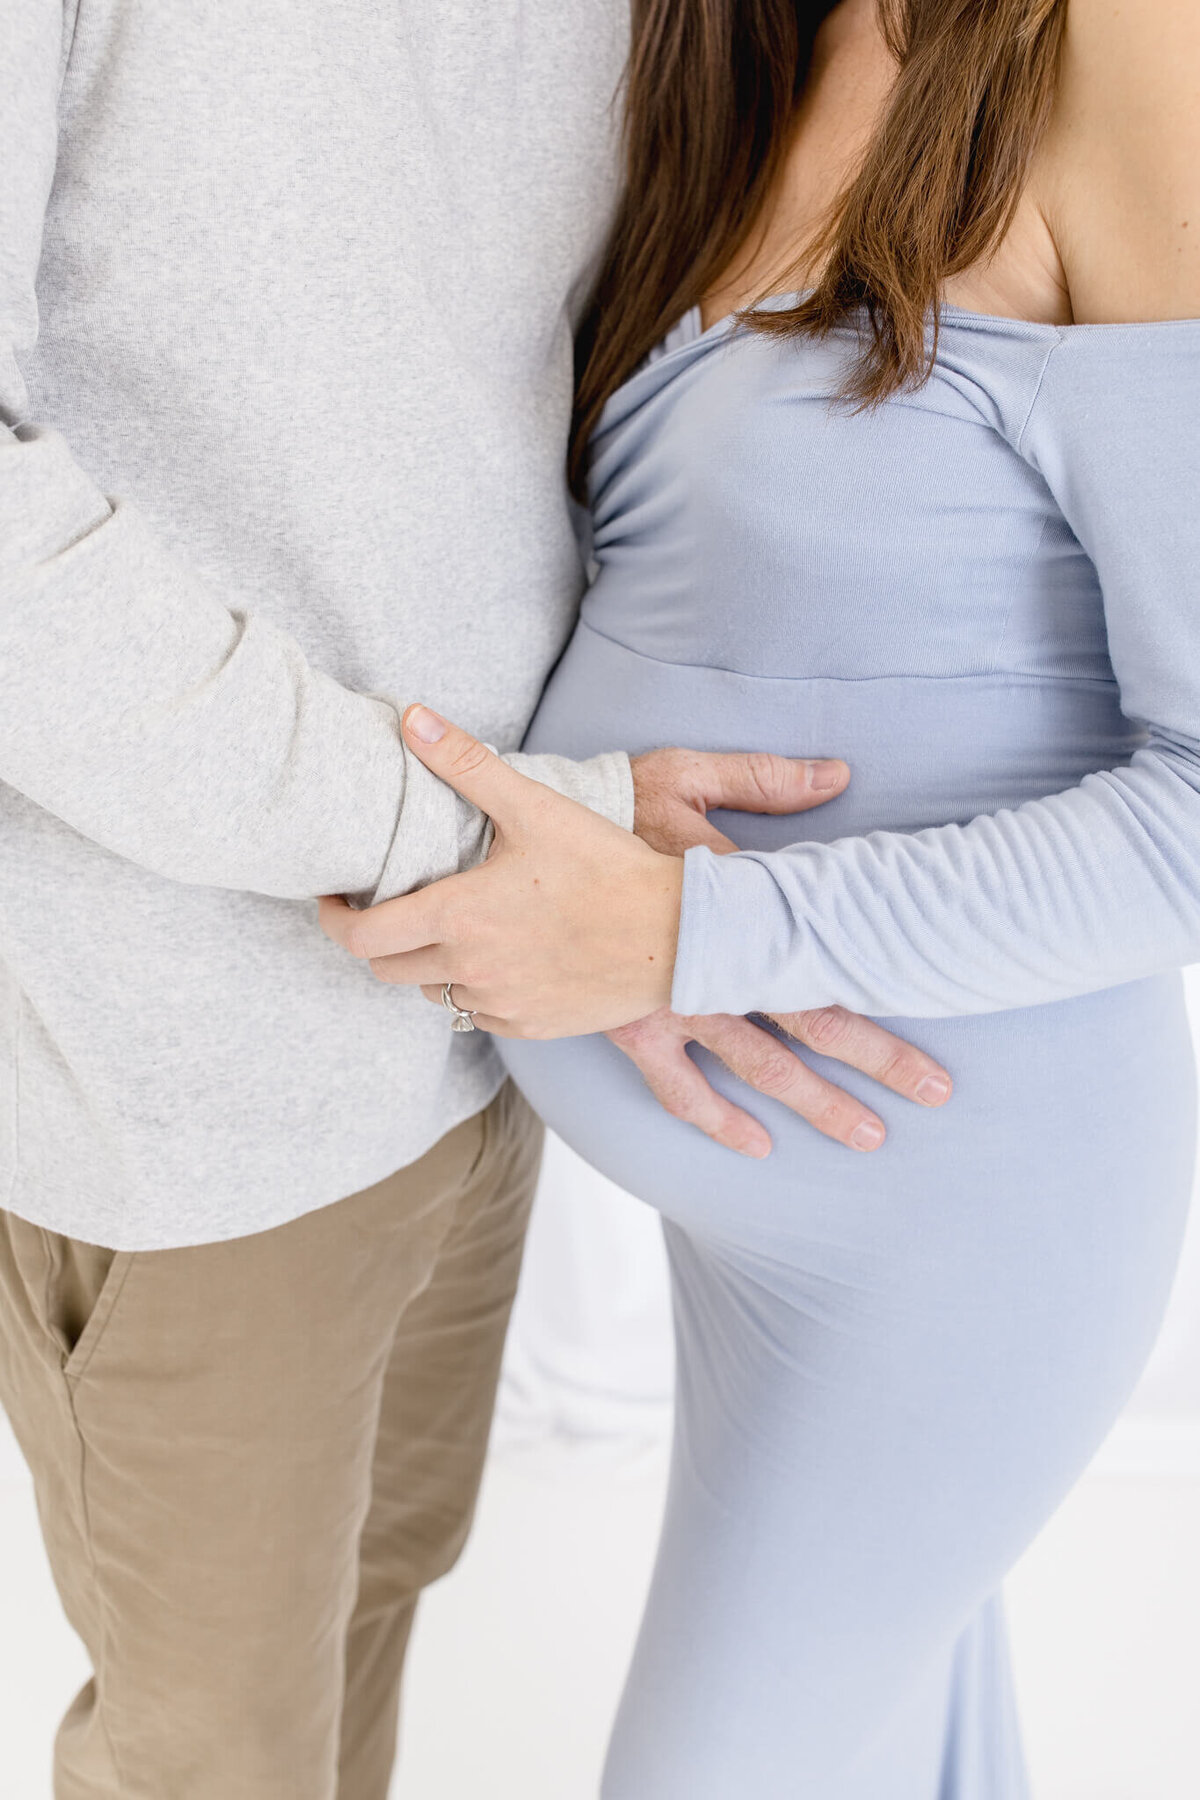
47, 1306
487, 1137
105, 1633
18, 1047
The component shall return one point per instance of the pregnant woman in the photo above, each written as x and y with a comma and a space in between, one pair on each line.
912, 478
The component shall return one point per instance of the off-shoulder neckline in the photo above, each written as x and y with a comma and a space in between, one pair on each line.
691, 337
947, 312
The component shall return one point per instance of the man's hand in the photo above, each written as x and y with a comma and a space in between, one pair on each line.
658, 1045
673, 790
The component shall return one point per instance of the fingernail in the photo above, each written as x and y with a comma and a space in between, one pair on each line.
756, 1148
425, 725
824, 775
867, 1136
933, 1090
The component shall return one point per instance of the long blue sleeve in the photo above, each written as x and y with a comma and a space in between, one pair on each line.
1081, 890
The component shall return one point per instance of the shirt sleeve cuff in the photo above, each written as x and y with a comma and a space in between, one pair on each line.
604, 784
741, 947
438, 834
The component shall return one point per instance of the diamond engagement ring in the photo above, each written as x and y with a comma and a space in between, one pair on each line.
462, 1020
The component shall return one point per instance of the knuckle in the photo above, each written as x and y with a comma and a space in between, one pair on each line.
834, 1116
673, 777
771, 1072
900, 1069
767, 772
469, 758
471, 969
357, 938
672, 1094
825, 1029
451, 923
641, 1037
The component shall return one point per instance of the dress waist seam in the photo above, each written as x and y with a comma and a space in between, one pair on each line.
1007, 677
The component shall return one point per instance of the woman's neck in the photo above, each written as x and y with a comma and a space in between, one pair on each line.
848, 88
850, 78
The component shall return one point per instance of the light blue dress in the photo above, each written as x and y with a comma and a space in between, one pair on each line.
985, 595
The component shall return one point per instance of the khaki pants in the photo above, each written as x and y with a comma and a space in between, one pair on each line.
250, 1457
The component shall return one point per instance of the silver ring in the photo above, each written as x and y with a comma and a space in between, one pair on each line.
461, 1019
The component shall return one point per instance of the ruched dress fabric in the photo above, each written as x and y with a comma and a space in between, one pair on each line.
985, 595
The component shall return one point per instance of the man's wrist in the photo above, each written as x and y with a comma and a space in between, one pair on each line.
604, 783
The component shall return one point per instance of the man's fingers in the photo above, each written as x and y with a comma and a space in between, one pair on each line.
685, 829
757, 781
862, 1044
758, 1058
658, 1049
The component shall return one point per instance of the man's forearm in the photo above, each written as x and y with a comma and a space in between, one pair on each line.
139, 709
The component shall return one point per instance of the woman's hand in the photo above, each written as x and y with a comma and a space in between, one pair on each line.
568, 927
571, 920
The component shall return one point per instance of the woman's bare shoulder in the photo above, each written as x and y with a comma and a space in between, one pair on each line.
1122, 160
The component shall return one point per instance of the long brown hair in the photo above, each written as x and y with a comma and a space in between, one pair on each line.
711, 92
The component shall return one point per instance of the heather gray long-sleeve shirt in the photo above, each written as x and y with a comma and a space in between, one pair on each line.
285, 365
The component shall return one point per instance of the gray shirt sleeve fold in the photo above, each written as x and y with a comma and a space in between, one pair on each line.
135, 704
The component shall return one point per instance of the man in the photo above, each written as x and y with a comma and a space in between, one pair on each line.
285, 358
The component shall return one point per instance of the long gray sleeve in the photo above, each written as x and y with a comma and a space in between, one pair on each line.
189, 736
1082, 890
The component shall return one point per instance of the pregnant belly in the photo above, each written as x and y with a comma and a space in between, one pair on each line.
1050, 1094
1081, 1100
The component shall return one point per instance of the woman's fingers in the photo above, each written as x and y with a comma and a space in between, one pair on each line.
462, 996
462, 1000
468, 766
758, 1058
862, 1044
657, 1045
412, 922
413, 968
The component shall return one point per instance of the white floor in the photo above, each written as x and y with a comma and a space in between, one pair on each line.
521, 1650
519, 1654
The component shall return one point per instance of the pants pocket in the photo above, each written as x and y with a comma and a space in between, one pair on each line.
83, 1284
